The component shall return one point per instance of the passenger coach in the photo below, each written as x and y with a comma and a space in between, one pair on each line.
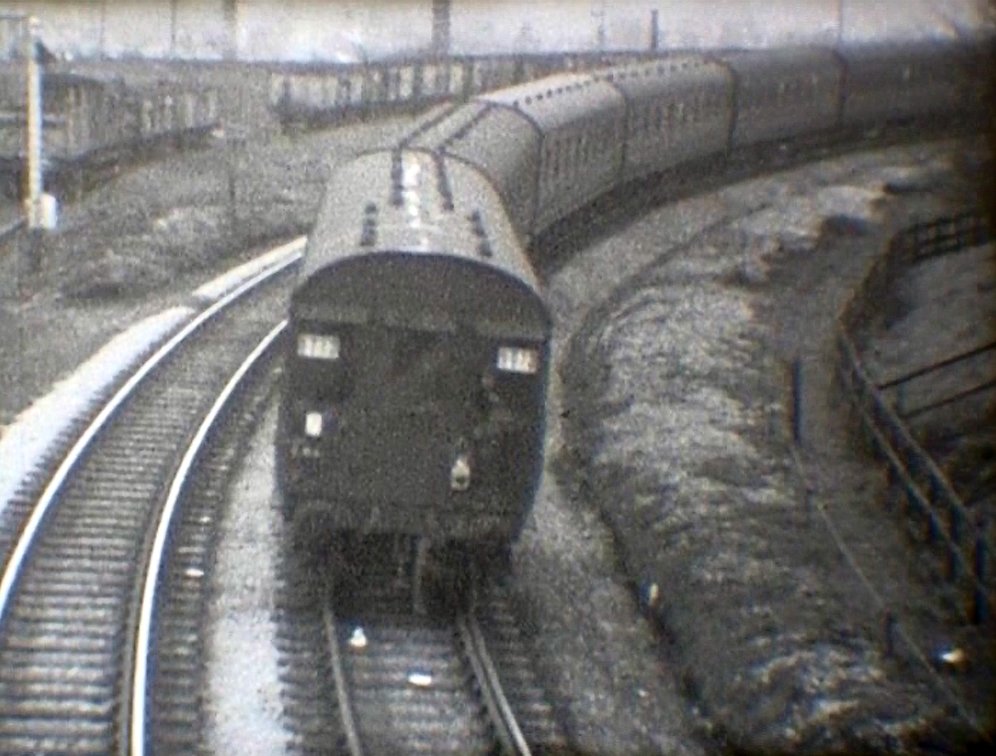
413, 401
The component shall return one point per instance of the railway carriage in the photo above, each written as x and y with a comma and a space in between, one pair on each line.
417, 368
679, 109
581, 122
896, 83
784, 93
500, 142
433, 80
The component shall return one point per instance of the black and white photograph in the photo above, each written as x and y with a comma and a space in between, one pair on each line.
497, 376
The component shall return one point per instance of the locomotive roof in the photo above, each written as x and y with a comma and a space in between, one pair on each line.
413, 201
402, 204
558, 100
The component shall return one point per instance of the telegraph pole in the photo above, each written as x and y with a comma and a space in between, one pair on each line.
39, 208
598, 13
441, 27
172, 28
231, 14
34, 108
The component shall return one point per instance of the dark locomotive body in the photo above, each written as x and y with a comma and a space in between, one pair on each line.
416, 375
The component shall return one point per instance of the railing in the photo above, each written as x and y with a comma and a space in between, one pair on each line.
947, 363
962, 231
930, 499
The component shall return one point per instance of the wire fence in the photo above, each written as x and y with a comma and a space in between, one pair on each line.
958, 533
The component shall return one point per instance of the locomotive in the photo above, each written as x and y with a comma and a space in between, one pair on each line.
413, 403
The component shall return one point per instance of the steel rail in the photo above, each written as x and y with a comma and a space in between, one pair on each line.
138, 699
341, 692
14, 567
507, 729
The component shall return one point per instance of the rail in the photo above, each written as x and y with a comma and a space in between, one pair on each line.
507, 731
11, 571
137, 700
929, 494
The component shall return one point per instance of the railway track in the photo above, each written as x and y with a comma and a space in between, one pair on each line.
83, 628
394, 681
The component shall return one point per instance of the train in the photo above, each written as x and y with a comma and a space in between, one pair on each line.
413, 397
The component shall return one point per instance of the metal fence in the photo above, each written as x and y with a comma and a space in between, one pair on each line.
924, 240
958, 532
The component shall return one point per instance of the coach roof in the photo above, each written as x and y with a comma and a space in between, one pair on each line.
414, 202
558, 100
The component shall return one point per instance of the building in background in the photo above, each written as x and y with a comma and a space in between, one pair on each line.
357, 30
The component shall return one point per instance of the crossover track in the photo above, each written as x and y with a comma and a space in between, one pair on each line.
79, 590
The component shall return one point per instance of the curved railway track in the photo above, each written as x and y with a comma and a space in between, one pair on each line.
103, 590
79, 589
80, 601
